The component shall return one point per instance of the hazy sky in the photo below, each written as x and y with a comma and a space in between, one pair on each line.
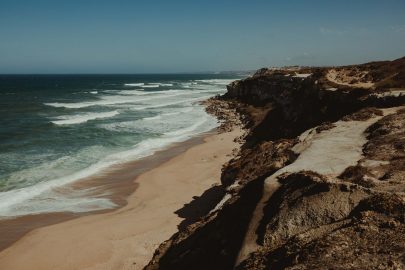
84, 36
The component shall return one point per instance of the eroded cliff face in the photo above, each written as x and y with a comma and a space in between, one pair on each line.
304, 98
319, 182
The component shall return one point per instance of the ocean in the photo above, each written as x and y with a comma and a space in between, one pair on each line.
58, 129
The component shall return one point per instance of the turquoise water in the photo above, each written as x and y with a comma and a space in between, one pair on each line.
57, 129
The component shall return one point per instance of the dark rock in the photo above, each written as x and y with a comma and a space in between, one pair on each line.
310, 221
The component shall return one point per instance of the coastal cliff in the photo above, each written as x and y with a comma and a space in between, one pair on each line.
319, 182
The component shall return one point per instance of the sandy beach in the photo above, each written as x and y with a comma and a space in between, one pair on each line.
126, 238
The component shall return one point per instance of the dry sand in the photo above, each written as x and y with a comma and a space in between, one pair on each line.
342, 78
126, 238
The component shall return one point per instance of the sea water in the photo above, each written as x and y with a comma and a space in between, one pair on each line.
58, 129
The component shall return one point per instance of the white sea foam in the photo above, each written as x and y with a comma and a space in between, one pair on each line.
188, 84
138, 92
166, 120
82, 118
138, 95
173, 113
141, 92
186, 130
157, 84
78, 105
134, 84
109, 100
151, 85
37, 198
217, 81
154, 106
164, 115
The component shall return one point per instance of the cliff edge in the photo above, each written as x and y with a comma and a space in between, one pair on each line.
319, 182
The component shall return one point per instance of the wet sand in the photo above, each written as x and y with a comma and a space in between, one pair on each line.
127, 237
118, 182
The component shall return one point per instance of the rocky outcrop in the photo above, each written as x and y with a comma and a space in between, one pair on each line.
318, 224
319, 182
303, 100
227, 113
383, 164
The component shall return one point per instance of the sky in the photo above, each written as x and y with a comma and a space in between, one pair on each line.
162, 36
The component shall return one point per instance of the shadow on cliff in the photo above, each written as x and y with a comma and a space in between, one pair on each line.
216, 242
200, 206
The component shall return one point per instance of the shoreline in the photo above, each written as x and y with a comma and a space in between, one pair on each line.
200, 158
119, 181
